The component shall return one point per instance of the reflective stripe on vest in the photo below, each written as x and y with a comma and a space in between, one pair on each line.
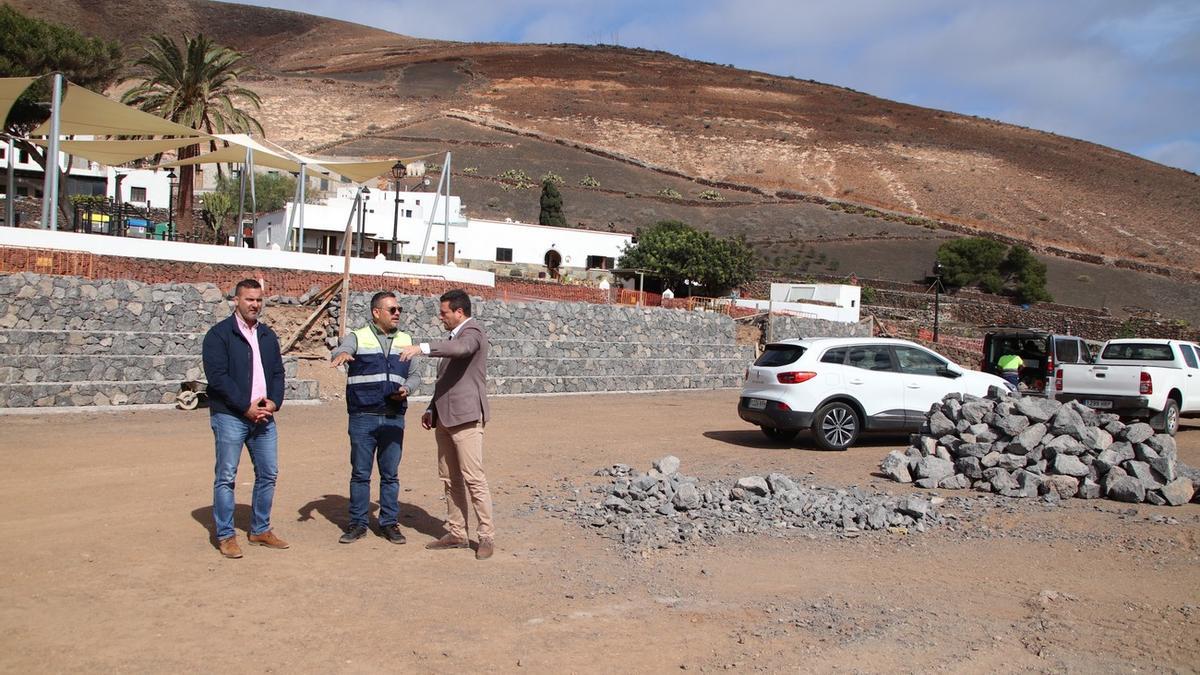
373, 376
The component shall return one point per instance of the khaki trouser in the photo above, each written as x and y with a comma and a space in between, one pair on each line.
460, 466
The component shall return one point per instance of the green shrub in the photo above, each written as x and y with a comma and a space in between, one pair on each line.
670, 193
552, 177
711, 196
588, 181
516, 178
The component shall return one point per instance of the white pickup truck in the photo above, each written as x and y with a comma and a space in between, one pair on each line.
1140, 379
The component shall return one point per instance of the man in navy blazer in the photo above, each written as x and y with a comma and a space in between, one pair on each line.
244, 368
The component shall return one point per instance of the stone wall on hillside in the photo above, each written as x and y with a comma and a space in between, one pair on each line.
785, 327
1055, 318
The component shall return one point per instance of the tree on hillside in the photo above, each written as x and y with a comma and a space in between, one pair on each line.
552, 205
271, 191
33, 48
675, 251
994, 267
195, 85
1027, 274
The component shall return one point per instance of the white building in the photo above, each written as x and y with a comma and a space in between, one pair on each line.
832, 302
486, 244
140, 187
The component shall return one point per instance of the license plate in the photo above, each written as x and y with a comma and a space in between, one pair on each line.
1093, 403
756, 404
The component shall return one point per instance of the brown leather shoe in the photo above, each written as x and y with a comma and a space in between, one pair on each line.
267, 539
447, 541
229, 548
486, 548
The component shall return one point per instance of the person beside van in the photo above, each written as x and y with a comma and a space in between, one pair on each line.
1010, 368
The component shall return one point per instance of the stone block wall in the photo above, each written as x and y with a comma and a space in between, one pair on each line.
564, 347
67, 341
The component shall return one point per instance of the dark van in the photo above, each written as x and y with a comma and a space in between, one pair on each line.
1039, 349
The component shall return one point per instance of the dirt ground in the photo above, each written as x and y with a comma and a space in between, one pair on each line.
109, 563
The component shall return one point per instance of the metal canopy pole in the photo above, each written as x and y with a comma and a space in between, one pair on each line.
50, 182
303, 198
432, 212
9, 205
446, 206
237, 237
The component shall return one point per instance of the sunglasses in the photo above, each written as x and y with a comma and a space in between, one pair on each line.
391, 310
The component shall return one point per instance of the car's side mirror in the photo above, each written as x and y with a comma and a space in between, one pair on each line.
949, 371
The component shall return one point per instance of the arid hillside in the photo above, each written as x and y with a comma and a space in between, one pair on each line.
774, 149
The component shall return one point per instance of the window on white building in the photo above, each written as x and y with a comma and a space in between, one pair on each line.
600, 262
503, 255
137, 194
408, 213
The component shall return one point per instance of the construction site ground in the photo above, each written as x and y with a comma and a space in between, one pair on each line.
109, 560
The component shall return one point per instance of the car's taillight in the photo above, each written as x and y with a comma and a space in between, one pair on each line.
1049, 365
783, 406
1058, 380
795, 377
1147, 385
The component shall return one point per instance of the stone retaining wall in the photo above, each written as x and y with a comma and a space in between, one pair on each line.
565, 347
67, 341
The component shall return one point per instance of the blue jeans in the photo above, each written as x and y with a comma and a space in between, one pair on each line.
1012, 377
231, 434
375, 438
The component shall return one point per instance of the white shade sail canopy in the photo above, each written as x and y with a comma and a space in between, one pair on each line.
115, 153
86, 112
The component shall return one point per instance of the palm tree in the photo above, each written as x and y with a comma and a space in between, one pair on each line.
196, 86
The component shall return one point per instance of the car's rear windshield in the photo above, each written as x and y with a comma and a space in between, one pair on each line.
779, 355
1137, 351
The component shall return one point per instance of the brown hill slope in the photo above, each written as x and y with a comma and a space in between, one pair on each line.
355, 90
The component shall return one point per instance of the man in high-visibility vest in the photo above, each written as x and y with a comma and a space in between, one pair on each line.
1010, 368
378, 384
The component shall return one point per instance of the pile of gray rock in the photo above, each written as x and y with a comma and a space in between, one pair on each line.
1023, 446
662, 506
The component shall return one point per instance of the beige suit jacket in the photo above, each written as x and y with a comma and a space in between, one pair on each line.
460, 395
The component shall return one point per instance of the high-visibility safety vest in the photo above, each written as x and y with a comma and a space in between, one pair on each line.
1011, 362
374, 376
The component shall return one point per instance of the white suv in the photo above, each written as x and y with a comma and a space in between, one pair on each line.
839, 387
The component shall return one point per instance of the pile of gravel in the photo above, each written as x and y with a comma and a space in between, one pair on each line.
663, 506
1027, 446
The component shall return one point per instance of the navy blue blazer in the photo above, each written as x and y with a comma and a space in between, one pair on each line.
228, 366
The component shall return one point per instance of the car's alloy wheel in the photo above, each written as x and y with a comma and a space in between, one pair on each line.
836, 425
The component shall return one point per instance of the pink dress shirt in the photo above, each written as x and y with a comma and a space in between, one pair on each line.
258, 381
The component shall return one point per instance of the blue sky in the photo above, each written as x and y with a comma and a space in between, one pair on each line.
1117, 72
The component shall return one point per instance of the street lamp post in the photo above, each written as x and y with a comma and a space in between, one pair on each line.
398, 172
171, 205
362, 219
937, 292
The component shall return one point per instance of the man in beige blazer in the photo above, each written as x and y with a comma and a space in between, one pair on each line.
458, 413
